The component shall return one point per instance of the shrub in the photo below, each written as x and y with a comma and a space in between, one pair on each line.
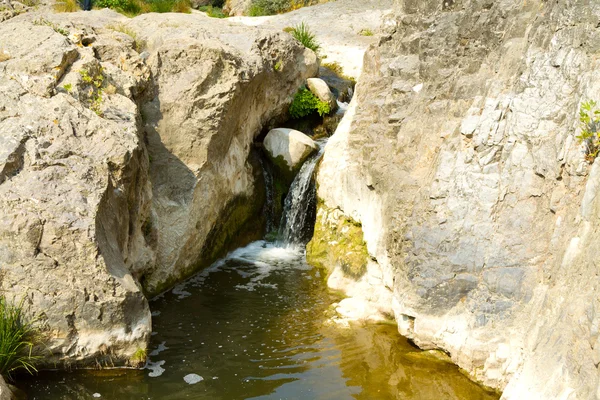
305, 103
268, 7
16, 340
302, 34
589, 118
135, 7
182, 6
365, 32
214, 12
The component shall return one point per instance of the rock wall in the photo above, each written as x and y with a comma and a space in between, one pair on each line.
125, 162
459, 159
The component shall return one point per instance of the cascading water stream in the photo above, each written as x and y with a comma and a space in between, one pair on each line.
299, 207
269, 207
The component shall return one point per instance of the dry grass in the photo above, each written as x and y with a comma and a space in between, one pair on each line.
139, 44
66, 6
182, 6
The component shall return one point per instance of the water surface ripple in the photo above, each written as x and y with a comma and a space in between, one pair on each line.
253, 326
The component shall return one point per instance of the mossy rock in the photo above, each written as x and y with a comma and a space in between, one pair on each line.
338, 240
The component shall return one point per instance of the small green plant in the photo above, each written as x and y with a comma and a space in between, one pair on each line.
278, 66
95, 91
303, 34
17, 336
214, 12
139, 357
305, 103
68, 87
589, 118
365, 32
57, 29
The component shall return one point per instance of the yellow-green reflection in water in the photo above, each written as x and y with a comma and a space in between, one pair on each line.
255, 326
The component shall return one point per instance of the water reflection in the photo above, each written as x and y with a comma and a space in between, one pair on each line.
253, 326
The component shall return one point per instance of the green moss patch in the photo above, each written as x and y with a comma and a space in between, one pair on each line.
337, 241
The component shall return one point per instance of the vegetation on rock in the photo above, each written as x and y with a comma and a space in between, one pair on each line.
139, 44
305, 103
139, 357
17, 336
337, 241
589, 117
303, 34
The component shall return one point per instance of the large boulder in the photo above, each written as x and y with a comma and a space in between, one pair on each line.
288, 149
123, 173
459, 159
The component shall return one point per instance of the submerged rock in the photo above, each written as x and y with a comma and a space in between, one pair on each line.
288, 149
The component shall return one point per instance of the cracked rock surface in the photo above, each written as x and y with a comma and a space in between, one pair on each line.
125, 147
458, 156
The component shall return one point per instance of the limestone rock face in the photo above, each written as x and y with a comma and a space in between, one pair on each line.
458, 156
288, 148
122, 173
320, 89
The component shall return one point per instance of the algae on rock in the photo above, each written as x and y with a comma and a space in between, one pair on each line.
337, 240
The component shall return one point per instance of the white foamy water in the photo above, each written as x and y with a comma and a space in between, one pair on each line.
256, 262
193, 378
155, 368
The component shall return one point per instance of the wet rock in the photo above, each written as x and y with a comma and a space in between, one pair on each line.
288, 149
341, 87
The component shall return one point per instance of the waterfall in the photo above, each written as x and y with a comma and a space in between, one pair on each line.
300, 204
269, 207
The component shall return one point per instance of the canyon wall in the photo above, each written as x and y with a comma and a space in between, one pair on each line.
459, 160
125, 163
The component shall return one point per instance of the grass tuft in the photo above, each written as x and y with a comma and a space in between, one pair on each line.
365, 32
139, 44
16, 340
303, 34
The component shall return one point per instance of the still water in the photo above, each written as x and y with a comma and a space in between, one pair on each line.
256, 325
